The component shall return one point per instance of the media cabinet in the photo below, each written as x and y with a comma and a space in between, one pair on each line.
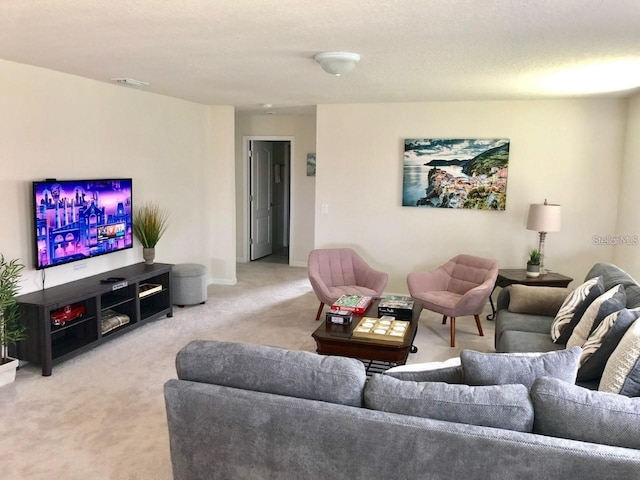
89, 302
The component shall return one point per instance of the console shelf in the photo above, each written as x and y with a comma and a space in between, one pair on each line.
47, 344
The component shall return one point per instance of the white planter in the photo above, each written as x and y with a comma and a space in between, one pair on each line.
8, 372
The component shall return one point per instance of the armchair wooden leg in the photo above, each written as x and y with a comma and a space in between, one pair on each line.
452, 327
319, 311
444, 319
479, 325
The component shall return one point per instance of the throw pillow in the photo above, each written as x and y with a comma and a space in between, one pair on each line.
508, 368
603, 341
500, 406
568, 411
537, 300
573, 308
611, 301
273, 370
449, 371
622, 372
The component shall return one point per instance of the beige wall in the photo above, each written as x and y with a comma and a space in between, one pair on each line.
627, 254
56, 125
568, 151
303, 130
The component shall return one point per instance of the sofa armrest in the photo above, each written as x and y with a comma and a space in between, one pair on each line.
504, 297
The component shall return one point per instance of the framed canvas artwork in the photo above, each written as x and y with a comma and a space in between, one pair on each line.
455, 173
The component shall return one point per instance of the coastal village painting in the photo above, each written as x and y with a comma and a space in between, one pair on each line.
456, 173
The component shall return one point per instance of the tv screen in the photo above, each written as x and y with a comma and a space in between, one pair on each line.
78, 219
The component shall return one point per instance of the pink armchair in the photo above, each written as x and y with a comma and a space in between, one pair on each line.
459, 287
337, 271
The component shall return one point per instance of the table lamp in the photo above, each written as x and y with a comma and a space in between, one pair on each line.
543, 218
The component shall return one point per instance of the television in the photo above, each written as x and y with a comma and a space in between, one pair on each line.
78, 219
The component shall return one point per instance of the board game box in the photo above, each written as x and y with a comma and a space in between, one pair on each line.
397, 306
357, 304
382, 329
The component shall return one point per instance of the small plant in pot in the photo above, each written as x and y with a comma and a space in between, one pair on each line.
150, 221
533, 264
11, 329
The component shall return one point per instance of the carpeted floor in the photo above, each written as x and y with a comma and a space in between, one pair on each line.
101, 415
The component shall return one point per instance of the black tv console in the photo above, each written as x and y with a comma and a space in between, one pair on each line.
69, 319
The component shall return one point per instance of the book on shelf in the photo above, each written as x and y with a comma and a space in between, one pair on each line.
148, 288
357, 304
397, 306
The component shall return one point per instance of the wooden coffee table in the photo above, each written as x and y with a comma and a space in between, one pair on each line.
332, 339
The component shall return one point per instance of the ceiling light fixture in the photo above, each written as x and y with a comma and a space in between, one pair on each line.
132, 82
337, 63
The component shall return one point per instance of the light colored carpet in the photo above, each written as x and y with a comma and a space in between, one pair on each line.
101, 415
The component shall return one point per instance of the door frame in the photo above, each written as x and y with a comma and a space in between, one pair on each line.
246, 178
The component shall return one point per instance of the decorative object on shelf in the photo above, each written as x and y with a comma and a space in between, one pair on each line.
11, 328
150, 221
337, 63
533, 264
456, 173
543, 218
311, 164
67, 314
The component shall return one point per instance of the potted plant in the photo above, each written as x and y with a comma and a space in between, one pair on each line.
533, 264
11, 329
150, 221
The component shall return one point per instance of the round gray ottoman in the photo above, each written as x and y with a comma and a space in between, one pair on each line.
189, 284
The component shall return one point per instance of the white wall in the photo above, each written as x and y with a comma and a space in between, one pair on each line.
303, 129
568, 151
55, 125
627, 254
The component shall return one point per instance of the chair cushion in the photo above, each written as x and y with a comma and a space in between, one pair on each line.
500, 406
273, 370
568, 411
508, 368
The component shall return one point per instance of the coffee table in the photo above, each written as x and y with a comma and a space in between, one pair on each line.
332, 339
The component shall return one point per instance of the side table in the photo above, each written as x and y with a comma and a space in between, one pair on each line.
510, 276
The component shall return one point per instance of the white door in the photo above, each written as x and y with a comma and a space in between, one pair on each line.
260, 197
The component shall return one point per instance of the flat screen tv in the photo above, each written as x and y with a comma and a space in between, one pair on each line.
79, 219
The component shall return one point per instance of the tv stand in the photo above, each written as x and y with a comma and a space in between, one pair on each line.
69, 319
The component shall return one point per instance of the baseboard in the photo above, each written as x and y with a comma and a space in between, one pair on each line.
222, 281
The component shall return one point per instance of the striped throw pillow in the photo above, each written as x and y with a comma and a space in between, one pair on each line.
574, 306
603, 341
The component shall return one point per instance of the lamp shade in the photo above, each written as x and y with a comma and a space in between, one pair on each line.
337, 63
544, 217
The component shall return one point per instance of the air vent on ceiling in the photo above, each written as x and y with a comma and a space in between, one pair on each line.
129, 81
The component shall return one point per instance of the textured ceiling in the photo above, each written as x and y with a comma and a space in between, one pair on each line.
251, 52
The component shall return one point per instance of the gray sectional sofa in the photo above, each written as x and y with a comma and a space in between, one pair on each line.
526, 327
239, 411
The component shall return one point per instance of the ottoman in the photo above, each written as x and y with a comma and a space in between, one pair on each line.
189, 284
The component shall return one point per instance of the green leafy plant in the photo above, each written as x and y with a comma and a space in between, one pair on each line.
11, 329
150, 221
534, 257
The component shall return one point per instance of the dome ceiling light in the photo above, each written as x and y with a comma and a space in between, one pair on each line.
337, 63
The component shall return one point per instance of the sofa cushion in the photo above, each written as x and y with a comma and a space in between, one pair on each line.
507, 321
526, 342
610, 301
449, 371
622, 372
573, 308
603, 341
568, 411
537, 300
508, 368
501, 406
273, 370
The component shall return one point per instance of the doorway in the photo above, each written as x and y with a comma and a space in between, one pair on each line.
269, 199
